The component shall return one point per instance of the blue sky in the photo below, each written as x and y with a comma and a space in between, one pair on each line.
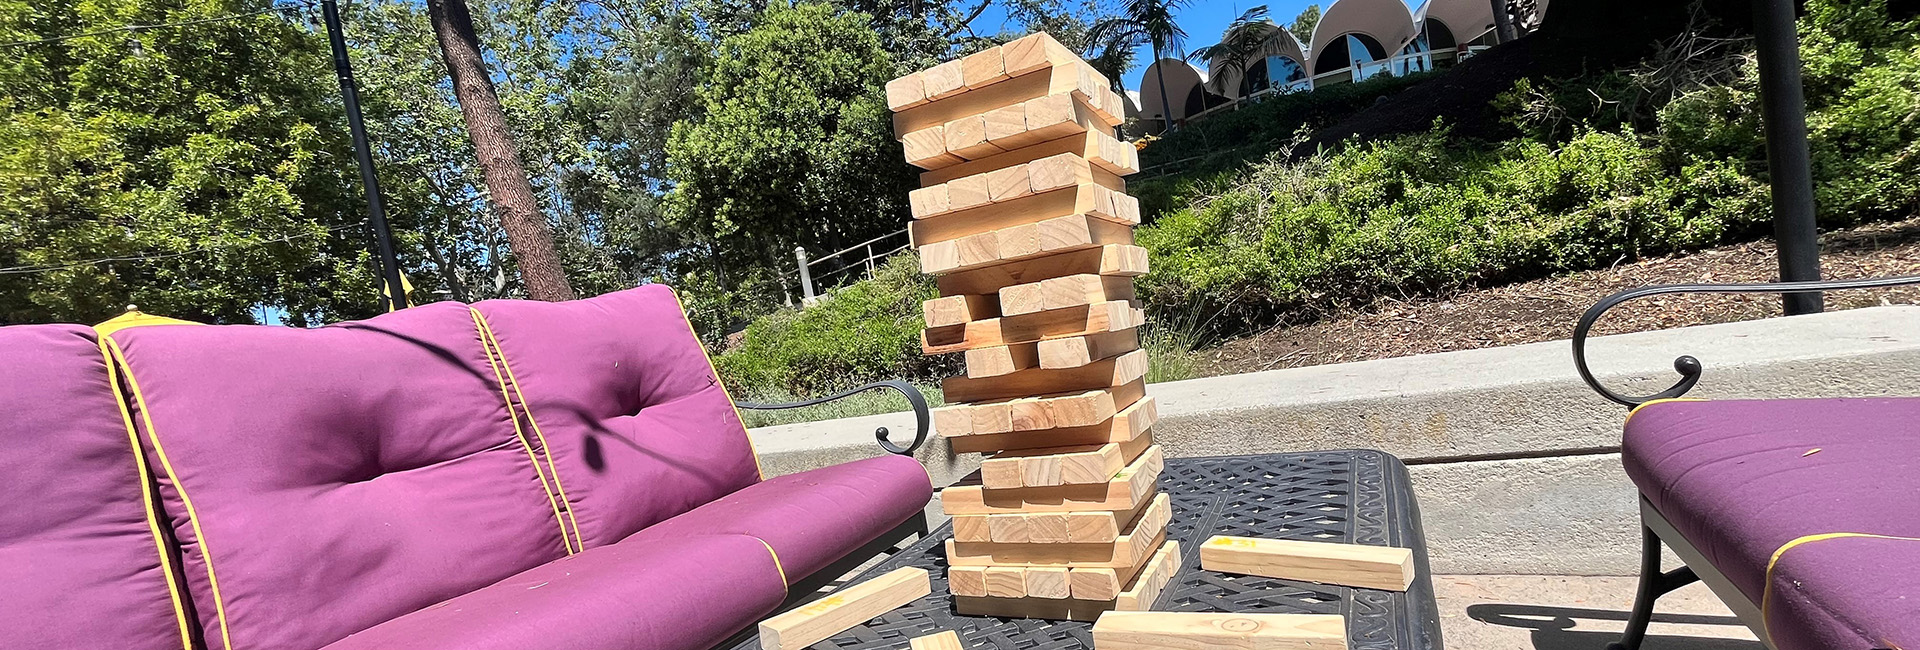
1203, 21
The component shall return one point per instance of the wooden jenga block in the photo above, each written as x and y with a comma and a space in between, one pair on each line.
906, 92
1023, 299
1007, 129
1027, 414
1118, 371
964, 193
1102, 583
1143, 630
1006, 581
1140, 540
944, 80
1138, 596
974, 528
927, 148
1078, 351
1099, 147
1060, 465
1118, 259
1093, 406
1059, 116
1352, 565
1002, 360
1060, 323
983, 68
967, 138
1008, 184
1064, 292
843, 609
928, 201
954, 421
993, 417
1048, 582
1130, 423
1006, 529
1026, 54
959, 310
1067, 170
1132, 486
1099, 527
945, 640
1047, 527
967, 581
1057, 235
972, 208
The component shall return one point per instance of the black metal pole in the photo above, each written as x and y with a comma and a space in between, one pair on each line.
1783, 109
383, 236
1502, 23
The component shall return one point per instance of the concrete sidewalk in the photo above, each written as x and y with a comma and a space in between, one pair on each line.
1525, 612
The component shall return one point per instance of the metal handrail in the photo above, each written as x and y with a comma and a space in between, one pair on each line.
922, 414
1688, 366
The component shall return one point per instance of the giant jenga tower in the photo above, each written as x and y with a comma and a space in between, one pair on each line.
1024, 217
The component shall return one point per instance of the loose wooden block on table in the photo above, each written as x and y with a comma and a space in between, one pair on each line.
843, 609
1139, 596
1129, 423
1353, 565
1141, 538
959, 310
1027, 328
1051, 466
1128, 489
1118, 259
1107, 373
946, 640
1137, 630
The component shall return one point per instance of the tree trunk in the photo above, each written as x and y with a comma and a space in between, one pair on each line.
506, 177
1502, 23
1166, 108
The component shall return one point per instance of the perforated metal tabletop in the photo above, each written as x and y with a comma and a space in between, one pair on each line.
1353, 496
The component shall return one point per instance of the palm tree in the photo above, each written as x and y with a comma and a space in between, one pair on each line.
1145, 22
1242, 38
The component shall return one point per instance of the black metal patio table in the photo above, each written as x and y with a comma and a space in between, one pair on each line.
1353, 496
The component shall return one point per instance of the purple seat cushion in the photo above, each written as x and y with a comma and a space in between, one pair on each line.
669, 594
339, 476
78, 558
1741, 478
812, 518
622, 393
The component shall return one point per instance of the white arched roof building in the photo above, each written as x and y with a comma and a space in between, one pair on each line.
1186, 90
1380, 27
1281, 58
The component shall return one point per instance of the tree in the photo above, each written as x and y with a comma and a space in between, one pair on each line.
508, 188
792, 145
1304, 23
198, 170
1145, 22
1241, 40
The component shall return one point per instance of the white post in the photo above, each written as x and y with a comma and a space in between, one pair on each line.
806, 276
869, 259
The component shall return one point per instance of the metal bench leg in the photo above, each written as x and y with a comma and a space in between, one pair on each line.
1653, 585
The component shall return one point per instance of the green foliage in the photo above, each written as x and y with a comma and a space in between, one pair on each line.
211, 150
866, 331
1304, 23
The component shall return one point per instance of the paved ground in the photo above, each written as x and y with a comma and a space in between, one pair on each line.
1510, 612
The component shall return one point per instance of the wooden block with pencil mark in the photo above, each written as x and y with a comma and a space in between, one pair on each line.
945, 640
843, 609
1143, 630
1352, 565
967, 581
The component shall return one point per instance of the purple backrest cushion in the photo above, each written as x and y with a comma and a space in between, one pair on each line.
623, 393
80, 565
323, 481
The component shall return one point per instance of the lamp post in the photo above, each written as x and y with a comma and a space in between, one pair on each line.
395, 296
1783, 109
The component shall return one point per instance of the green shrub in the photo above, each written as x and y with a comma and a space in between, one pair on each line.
866, 331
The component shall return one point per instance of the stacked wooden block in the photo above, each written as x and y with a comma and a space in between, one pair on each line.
1024, 217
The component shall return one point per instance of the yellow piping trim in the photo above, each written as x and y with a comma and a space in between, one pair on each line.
521, 434
146, 497
1636, 409
759, 471
135, 319
486, 329
776, 563
1766, 588
193, 516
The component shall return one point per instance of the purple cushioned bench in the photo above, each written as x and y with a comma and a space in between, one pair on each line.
509, 474
1803, 515
1808, 509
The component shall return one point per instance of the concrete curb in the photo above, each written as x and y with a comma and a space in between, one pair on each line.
1508, 446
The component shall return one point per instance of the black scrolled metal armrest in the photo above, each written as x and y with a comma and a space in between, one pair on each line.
921, 414
1689, 367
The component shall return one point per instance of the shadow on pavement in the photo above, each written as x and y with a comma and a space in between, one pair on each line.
1553, 628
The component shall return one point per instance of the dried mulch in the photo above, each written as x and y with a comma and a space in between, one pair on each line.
1545, 310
